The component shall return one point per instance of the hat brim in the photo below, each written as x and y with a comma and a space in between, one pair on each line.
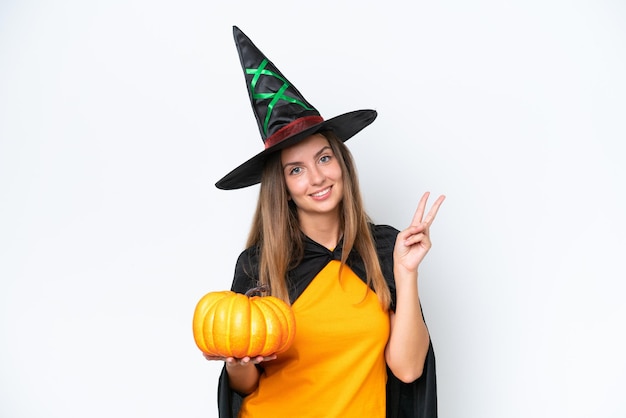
344, 126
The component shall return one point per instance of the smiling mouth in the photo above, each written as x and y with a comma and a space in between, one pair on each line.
321, 192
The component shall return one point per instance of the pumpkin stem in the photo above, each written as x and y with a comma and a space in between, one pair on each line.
259, 289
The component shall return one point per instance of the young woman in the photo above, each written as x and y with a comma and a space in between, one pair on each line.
362, 348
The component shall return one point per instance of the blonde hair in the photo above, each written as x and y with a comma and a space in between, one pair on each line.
276, 231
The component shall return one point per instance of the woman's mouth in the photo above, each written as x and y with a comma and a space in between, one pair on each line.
321, 193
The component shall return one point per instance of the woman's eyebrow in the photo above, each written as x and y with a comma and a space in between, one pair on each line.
317, 154
320, 152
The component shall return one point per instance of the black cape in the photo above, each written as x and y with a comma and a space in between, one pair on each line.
416, 399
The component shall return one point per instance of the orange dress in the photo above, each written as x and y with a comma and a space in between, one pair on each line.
336, 365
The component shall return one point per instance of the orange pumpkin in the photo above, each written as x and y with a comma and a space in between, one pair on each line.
229, 324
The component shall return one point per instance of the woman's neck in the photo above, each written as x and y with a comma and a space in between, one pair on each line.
325, 230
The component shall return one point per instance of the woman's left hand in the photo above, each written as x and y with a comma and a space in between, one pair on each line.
413, 243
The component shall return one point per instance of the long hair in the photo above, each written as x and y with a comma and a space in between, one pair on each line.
276, 231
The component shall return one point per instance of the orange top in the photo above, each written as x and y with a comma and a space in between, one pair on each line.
336, 365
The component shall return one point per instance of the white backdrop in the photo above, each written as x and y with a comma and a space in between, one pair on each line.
117, 117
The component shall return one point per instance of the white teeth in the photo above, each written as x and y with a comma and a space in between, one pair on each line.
321, 193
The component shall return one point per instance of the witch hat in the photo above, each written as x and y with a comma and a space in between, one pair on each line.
283, 115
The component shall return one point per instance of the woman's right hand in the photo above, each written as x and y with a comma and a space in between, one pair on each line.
234, 362
241, 377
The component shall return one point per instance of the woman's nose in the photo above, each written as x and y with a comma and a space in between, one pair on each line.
317, 175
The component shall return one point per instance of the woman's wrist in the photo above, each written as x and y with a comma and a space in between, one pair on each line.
402, 274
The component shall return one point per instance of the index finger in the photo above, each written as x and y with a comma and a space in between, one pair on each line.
419, 212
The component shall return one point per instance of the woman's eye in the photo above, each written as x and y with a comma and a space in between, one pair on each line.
325, 159
295, 170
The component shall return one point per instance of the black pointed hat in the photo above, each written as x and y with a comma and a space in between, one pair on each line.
284, 116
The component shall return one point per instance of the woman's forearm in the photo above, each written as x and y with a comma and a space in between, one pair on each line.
242, 378
408, 339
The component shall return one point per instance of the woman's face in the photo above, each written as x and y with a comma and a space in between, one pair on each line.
313, 176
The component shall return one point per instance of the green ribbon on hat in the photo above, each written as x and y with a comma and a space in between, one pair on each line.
275, 97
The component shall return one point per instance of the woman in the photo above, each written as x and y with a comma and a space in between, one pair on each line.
362, 348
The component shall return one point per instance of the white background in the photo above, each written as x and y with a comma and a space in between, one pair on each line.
117, 118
